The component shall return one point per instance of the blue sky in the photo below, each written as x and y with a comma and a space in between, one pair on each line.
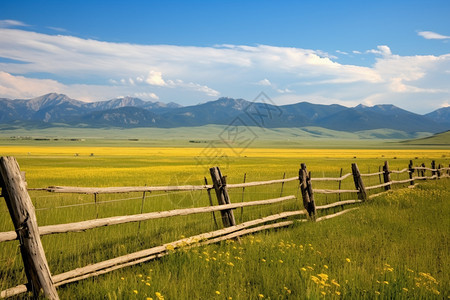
345, 52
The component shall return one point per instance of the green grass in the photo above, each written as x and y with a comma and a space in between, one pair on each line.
264, 137
437, 139
389, 246
393, 238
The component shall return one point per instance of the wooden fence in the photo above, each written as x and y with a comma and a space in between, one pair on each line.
41, 282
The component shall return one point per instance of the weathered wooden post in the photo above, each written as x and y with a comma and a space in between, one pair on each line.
282, 184
433, 166
386, 176
438, 172
220, 186
307, 191
211, 203
23, 216
359, 184
411, 172
242, 199
422, 172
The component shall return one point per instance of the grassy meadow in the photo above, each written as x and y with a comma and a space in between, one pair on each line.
394, 246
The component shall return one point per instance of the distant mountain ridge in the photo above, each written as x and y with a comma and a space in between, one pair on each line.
130, 112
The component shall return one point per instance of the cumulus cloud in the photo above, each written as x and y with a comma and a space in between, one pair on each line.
430, 35
155, 78
381, 50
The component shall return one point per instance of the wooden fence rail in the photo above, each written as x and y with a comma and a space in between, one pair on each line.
41, 282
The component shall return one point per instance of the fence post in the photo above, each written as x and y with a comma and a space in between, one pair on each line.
411, 172
23, 216
439, 171
422, 172
211, 203
359, 184
433, 166
386, 176
220, 186
307, 191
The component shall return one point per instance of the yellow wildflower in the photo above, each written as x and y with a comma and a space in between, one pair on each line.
147, 283
135, 291
315, 279
333, 281
261, 296
428, 276
377, 293
325, 266
303, 269
217, 293
337, 293
323, 276
348, 259
386, 282
405, 289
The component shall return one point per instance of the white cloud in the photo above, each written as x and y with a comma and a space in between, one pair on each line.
342, 52
264, 82
147, 95
11, 23
155, 78
430, 35
382, 50
198, 74
284, 91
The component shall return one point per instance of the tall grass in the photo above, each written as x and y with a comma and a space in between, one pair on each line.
395, 245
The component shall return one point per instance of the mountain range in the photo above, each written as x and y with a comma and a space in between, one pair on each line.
57, 109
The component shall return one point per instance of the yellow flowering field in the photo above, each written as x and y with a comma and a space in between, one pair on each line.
390, 247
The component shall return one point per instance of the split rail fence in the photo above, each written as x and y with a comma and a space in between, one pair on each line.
42, 282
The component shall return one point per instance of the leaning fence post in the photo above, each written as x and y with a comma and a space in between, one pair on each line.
23, 216
386, 176
359, 184
307, 191
411, 172
220, 186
